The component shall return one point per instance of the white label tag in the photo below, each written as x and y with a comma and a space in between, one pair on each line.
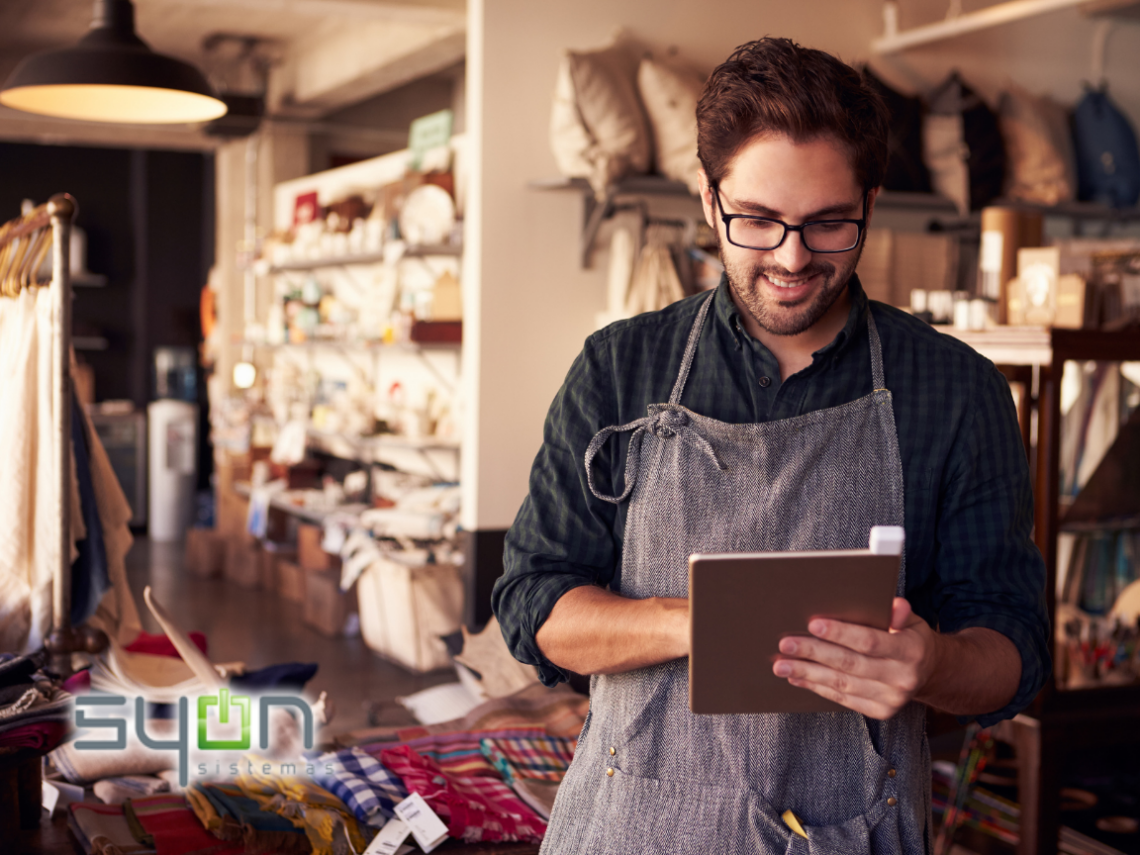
388, 841
427, 828
51, 796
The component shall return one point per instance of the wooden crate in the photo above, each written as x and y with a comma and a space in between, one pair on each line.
290, 581
272, 554
205, 552
243, 560
326, 607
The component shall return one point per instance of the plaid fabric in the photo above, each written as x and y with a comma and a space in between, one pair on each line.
474, 809
543, 757
558, 710
461, 753
968, 503
360, 781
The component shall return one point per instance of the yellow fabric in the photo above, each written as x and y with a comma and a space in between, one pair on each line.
203, 809
311, 808
793, 822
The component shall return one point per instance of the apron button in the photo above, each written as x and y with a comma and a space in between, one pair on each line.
892, 801
891, 773
610, 772
613, 751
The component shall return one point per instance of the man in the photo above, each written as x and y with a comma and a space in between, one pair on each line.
784, 412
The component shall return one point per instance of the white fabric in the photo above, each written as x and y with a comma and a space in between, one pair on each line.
29, 546
655, 283
670, 96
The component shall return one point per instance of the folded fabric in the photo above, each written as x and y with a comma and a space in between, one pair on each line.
103, 830
175, 829
360, 781
115, 791
36, 704
561, 711
159, 645
140, 833
538, 795
474, 809
461, 753
230, 815
539, 757
40, 736
81, 767
323, 817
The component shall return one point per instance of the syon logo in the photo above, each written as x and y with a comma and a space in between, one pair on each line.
223, 711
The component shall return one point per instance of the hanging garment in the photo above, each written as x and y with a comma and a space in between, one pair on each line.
648, 775
655, 283
90, 579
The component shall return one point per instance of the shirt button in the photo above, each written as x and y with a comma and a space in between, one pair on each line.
610, 772
892, 801
765, 382
613, 751
891, 773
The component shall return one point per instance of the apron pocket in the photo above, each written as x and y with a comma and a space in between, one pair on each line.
874, 832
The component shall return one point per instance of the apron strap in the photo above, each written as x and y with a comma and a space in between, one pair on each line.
691, 348
878, 383
631, 460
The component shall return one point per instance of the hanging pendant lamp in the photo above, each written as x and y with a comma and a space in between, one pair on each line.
111, 75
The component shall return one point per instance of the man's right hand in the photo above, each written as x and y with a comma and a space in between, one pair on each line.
593, 631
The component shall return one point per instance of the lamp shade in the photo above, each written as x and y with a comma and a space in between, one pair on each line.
111, 75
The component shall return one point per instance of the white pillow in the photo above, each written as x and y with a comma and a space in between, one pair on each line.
670, 96
597, 125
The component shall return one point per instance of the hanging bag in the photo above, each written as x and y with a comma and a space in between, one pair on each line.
1108, 162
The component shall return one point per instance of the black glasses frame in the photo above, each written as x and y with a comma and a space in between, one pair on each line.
861, 225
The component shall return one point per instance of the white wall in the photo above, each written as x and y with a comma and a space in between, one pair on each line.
529, 306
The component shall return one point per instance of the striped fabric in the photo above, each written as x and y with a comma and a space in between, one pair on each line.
543, 757
475, 809
460, 753
361, 782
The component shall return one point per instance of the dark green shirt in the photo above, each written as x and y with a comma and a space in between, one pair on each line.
968, 503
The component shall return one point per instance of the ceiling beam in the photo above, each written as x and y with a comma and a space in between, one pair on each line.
356, 10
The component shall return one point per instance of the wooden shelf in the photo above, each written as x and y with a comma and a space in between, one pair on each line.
364, 258
1007, 345
365, 449
355, 344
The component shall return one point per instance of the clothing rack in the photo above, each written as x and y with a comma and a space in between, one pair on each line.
24, 245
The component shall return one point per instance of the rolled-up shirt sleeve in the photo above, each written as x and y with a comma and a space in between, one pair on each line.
990, 573
563, 537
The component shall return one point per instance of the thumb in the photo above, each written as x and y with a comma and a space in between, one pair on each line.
902, 616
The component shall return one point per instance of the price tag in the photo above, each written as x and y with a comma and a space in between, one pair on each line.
51, 796
390, 838
427, 828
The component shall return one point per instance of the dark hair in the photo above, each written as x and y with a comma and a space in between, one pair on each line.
776, 86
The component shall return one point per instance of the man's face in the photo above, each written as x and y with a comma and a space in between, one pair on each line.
787, 290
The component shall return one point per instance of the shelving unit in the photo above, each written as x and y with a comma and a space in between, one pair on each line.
363, 258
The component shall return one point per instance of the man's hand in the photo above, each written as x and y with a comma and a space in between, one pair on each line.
873, 672
877, 673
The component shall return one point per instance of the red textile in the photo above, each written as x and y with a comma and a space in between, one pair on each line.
176, 830
42, 736
160, 645
474, 808
78, 683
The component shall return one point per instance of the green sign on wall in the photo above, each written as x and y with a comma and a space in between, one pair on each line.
428, 132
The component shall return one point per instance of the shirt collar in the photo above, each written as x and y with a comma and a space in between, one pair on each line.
728, 315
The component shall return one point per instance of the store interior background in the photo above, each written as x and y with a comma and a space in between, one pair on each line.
165, 208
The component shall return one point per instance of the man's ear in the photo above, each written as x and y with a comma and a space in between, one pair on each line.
707, 203
872, 195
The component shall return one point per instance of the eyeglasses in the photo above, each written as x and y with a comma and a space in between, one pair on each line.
764, 233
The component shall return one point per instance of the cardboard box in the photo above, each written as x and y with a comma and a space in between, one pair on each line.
309, 553
272, 553
405, 610
290, 581
243, 560
326, 607
231, 513
205, 552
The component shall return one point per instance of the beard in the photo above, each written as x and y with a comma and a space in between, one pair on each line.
781, 317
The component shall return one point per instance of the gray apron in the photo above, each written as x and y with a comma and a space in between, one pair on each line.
650, 776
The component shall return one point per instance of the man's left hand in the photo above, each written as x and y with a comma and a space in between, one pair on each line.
870, 671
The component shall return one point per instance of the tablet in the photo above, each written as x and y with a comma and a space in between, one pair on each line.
741, 605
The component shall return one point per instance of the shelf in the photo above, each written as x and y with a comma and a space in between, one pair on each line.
364, 258
358, 344
366, 448
1007, 345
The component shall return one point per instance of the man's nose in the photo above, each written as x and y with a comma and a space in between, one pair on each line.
792, 255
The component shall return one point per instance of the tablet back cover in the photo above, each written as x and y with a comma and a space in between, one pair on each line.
742, 605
